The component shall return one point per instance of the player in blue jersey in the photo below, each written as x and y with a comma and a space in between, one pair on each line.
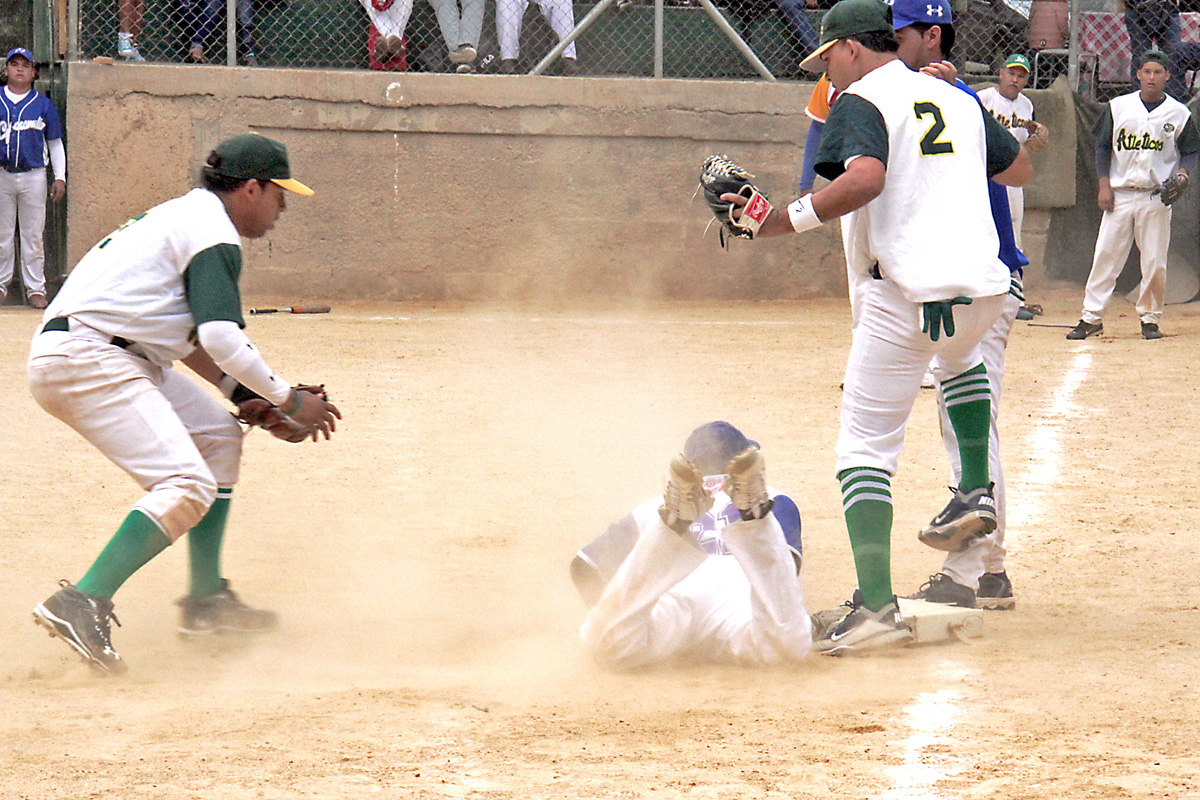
976, 575
708, 572
29, 131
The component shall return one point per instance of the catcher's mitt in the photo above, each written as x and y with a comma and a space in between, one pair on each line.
1039, 136
260, 413
720, 176
1172, 188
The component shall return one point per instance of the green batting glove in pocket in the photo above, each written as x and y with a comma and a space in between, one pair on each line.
939, 315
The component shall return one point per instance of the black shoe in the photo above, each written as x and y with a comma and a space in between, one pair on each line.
864, 630
1024, 314
1085, 329
941, 588
81, 621
995, 592
1150, 331
965, 517
221, 613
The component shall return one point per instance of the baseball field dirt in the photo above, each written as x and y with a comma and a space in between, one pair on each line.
419, 560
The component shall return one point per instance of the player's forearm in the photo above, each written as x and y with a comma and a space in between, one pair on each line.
1019, 173
237, 357
201, 363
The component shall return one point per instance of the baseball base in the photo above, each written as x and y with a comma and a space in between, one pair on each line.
936, 622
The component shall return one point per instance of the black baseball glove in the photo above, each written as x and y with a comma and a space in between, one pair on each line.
720, 176
1172, 188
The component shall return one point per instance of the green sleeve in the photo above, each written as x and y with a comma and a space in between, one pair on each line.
1002, 147
1104, 126
211, 282
1189, 138
854, 128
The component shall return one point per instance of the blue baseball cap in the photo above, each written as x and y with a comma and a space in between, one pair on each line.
711, 446
930, 12
19, 51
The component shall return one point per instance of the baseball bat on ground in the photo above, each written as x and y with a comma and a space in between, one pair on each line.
317, 309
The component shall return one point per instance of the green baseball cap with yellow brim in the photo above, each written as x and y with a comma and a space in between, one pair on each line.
1017, 60
255, 157
848, 18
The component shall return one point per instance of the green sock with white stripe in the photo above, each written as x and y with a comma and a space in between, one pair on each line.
867, 504
204, 547
969, 406
138, 540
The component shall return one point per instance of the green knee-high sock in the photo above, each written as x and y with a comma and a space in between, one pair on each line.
204, 547
969, 406
867, 504
138, 540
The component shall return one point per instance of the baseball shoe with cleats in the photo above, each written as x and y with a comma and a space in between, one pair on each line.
825, 619
684, 499
941, 588
1150, 331
995, 592
222, 613
1085, 329
746, 484
81, 621
966, 517
1024, 314
863, 630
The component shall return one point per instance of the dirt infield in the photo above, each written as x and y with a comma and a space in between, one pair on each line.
419, 561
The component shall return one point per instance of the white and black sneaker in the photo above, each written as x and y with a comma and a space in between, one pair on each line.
746, 484
966, 517
684, 499
864, 630
81, 621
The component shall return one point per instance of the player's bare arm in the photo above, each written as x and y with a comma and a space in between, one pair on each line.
1019, 173
201, 363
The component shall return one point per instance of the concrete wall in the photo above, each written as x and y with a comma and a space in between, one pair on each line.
444, 187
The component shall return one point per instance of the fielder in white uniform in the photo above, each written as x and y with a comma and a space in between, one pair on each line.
560, 14
1143, 138
708, 572
910, 154
29, 131
164, 288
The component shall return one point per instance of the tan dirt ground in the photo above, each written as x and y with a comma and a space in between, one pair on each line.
419, 560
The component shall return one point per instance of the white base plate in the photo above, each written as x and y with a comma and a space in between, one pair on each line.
937, 622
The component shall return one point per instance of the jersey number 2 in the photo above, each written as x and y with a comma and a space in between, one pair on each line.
930, 146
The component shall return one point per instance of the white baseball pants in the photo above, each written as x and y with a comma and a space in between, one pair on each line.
985, 554
23, 197
1137, 216
393, 20
510, 13
1016, 207
888, 358
171, 436
464, 28
670, 599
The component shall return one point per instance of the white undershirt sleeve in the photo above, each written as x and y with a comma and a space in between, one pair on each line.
237, 356
58, 159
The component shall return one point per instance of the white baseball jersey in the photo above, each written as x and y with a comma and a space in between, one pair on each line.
931, 230
157, 277
1012, 114
1144, 143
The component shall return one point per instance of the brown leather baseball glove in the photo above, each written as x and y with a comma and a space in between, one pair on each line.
260, 413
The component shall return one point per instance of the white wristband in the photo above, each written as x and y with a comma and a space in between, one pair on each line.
803, 216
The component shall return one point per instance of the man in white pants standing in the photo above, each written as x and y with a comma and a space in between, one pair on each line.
509, 15
1146, 141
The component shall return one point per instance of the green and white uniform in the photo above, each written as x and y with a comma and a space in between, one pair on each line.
1014, 115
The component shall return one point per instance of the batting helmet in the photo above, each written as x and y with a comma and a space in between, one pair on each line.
711, 446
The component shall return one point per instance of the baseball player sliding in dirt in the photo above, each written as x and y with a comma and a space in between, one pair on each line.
709, 571
163, 288
1146, 146
898, 147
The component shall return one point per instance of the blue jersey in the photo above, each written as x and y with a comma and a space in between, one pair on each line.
25, 127
1012, 257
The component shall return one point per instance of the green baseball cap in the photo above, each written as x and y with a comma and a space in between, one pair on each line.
848, 18
256, 157
1157, 56
1018, 60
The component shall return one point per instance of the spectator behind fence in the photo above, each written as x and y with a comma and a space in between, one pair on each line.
460, 29
560, 14
206, 12
386, 44
796, 12
129, 26
1150, 23
31, 128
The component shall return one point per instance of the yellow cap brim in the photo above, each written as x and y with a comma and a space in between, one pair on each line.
814, 63
293, 186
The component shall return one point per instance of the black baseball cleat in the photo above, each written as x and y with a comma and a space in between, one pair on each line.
81, 621
966, 517
1150, 331
941, 588
1085, 329
222, 613
995, 592
864, 630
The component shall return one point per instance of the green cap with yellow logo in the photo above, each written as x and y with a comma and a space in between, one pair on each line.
256, 157
1017, 60
848, 18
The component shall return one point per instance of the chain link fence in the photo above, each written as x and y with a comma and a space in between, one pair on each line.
642, 38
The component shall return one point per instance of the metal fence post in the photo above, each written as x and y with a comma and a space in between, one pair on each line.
1073, 47
658, 38
73, 30
231, 32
